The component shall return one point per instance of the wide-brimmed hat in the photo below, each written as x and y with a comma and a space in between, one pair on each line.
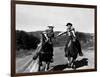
50, 26
69, 24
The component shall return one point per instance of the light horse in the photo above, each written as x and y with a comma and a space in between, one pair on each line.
71, 52
45, 54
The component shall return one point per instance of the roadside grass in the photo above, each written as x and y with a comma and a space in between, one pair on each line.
24, 52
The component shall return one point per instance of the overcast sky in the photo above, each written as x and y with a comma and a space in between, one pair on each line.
35, 17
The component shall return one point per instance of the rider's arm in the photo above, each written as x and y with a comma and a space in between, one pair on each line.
61, 33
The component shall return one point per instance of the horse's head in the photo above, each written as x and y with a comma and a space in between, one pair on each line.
71, 42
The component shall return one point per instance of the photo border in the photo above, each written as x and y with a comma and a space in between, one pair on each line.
13, 36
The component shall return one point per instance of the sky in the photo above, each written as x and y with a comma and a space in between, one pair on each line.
37, 17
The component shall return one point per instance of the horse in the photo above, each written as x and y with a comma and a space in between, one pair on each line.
71, 52
45, 54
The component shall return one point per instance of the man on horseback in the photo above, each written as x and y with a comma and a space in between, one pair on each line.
49, 35
44, 51
71, 35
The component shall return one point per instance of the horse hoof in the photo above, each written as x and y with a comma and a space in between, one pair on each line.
69, 65
74, 67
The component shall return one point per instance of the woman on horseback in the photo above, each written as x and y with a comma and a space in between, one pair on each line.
70, 31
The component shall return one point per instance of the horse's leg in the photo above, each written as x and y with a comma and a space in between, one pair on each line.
40, 63
73, 61
43, 66
69, 60
48, 63
39, 66
46, 66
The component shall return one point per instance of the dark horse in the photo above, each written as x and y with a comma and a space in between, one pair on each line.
45, 54
71, 52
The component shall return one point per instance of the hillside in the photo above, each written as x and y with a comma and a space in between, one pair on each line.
35, 36
27, 42
84, 38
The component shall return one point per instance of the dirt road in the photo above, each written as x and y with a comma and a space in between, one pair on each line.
26, 64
